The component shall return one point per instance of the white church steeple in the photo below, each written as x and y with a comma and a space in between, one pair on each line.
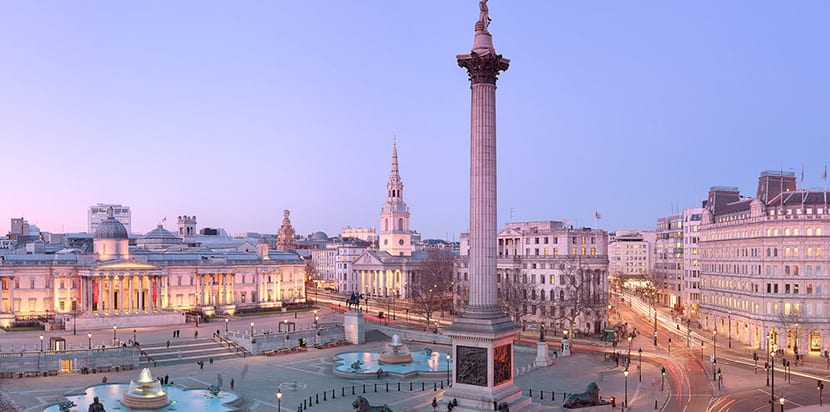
395, 236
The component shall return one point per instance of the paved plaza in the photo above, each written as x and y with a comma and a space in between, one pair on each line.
308, 374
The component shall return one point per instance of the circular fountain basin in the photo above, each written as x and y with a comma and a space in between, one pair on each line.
421, 364
180, 400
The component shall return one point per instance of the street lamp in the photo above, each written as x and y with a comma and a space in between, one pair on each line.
41, 342
279, 400
74, 315
252, 329
89, 339
625, 402
714, 352
701, 350
134, 339
226, 326
449, 382
114, 335
730, 329
781, 400
772, 370
641, 363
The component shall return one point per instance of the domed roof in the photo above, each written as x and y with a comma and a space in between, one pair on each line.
319, 236
159, 233
110, 228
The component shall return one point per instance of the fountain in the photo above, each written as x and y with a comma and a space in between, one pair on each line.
395, 352
145, 393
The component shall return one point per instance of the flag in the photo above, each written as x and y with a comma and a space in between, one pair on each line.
164, 220
825, 173
802, 172
597, 215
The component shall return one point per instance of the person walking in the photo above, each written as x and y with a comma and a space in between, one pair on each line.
231, 383
168, 344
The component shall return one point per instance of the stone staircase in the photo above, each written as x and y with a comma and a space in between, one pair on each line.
188, 351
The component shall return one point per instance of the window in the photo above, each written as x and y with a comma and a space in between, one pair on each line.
795, 288
552, 279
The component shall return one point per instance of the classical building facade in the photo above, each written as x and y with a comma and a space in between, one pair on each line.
387, 271
551, 264
138, 286
764, 279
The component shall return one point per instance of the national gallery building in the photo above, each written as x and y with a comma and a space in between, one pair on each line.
154, 282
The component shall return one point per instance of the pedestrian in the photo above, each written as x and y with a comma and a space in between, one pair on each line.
378, 373
201, 364
166, 379
104, 379
231, 383
168, 344
211, 360
96, 406
174, 333
195, 334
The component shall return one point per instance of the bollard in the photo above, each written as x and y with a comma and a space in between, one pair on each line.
442, 384
309, 401
324, 396
410, 386
434, 386
317, 398
399, 386
655, 404
364, 388
304, 403
352, 389
333, 395
422, 386
530, 393
376, 387
387, 386
342, 391
541, 394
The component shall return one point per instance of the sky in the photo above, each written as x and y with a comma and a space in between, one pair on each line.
234, 111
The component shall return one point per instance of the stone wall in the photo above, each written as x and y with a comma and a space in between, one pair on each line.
36, 363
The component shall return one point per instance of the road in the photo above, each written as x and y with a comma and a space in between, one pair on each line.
689, 367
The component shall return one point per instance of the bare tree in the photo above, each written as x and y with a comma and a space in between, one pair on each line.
515, 295
791, 322
311, 278
575, 296
431, 287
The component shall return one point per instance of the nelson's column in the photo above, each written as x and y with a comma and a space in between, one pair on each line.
482, 336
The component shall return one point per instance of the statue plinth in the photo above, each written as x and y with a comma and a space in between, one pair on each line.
542, 357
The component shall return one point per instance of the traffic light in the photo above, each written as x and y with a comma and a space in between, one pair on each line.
663, 371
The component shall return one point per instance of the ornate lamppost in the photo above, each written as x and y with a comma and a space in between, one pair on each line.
41, 342
714, 353
279, 400
625, 402
449, 382
730, 329
226, 326
89, 339
74, 315
252, 329
114, 333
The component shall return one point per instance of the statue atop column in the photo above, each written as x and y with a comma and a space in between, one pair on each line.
483, 17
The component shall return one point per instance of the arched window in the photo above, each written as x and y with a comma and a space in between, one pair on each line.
400, 223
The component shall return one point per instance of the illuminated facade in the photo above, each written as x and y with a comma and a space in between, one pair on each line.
764, 264
136, 286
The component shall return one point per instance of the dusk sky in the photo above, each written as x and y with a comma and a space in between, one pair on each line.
234, 111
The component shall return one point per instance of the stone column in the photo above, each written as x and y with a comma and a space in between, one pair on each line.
131, 308
2, 286
210, 289
111, 281
11, 294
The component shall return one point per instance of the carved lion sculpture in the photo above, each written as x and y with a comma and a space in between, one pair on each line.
361, 404
588, 398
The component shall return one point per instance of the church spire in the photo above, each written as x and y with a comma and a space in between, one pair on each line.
395, 236
394, 187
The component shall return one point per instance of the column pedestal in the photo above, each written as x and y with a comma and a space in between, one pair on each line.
566, 347
542, 357
353, 325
